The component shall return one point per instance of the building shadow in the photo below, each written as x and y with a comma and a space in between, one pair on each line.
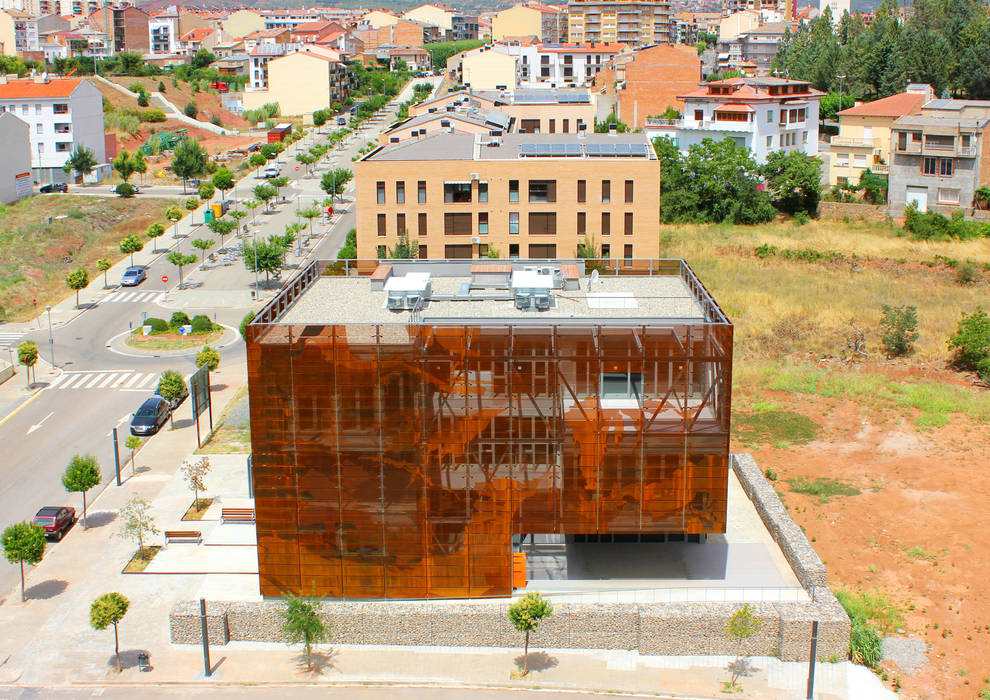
46, 589
99, 518
322, 662
182, 423
538, 661
217, 387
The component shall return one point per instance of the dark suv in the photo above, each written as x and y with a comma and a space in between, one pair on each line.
55, 520
151, 416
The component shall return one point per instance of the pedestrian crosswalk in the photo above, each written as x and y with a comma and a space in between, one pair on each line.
122, 380
10, 340
134, 297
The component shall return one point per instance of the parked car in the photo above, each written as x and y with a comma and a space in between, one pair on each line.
177, 402
272, 171
341, 121
133, 276
54, 187
254, 147
152, 415
56, 520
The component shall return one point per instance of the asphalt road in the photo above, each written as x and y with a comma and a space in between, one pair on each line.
301, 693
101, 389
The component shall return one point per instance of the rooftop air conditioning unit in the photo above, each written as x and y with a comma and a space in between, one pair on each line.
475, 239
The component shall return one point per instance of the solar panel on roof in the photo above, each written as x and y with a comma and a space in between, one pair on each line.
593, 149
544, 149
559, 149
528, 149
573, 149
622, 149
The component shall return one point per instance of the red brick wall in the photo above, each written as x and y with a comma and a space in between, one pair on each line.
654, 78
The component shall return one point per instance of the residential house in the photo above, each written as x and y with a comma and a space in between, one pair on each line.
8, 37
301, 82
403, 32
525, 195
542, 111
376, 19
61, 113
460, 119
464, 28
756, 48
287, 19
547, 24
536, 65
15, 166
163, 30
240, 23
202, 38
864, 134
435, 15
130, 27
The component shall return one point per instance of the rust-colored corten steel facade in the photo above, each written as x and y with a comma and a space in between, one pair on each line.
398, 460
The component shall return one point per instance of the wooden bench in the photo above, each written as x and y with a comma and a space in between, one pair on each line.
237, 515
183, 536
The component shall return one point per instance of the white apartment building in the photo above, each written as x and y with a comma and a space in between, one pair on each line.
761, 114
163, 31
61, 113
539, 65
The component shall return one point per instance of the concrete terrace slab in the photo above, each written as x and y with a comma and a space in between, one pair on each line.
198, 559
232, 535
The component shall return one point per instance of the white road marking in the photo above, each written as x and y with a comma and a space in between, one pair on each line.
120, 379
38, 424
110, 378
75, 379
97, 378
143, 382
131, 380
57, 381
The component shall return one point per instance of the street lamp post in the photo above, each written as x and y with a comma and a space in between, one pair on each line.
51, 338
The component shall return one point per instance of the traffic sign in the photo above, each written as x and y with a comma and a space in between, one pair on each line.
164, 278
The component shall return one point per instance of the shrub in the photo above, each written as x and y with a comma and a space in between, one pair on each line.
215, 120
152, 115
244, 324
864, 644
190, 110
983, 369
801, 218
125, 189
967, 273
158, 325
898, 329
178, 319
201, 324
971, 341
143, 100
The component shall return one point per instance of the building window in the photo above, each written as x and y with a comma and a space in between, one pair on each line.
769, 143
529, 126
380, 252
400, 224
542, 223
513, 250
943, 167
582, 191
513, 190
606, 191
770, 117
456, 192
566, 125
842, 160
606, 250
859, 160
59, 108
627, 253
63, 146
400, 192
542, 250
37, 128
37, 108
421, 224
948, 195
543, 190
482, 191
929, 165
628, 225
606, 223
381, 224
582, 223
482, 222
457, 224
513, 222
699, 115
422, 254
621, 388
629, 191
380, 192
421, 191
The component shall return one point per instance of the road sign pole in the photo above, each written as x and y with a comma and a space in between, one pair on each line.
116, 456
206, 639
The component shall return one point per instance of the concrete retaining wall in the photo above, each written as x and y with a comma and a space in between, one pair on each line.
854, 210
651, 629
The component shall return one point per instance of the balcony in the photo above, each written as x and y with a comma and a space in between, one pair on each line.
880, 168
851, 142
655, 123
712, 125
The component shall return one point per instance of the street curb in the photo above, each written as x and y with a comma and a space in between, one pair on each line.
170, 353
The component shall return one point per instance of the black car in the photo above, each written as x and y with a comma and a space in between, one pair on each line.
151, 416
54, 187
254, 147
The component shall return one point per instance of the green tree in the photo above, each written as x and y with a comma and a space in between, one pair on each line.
404, 248
971, 341
172, 387
208, 356
794, 180
310, 214
174, 214
279, 182
130, 244
975, 78
202, 244
237, 215
266, 256
132, 443
23, 543
206, 191
526, 614
188, 159
76, 280
257, 160
143, 99
319, 117
334, 181
136, 521
306, 159
109, 609
604, 127
303, 624
104, 264
82, 474
898, 329
264, 193
248, 317
180, 260
349, 251
194, 472
223, 180
125, 189
742, 625
192, 204
873, 187
190, 110
124, 165
223, 227
154, 232
82, 161
202, 58
27, 355
830, 105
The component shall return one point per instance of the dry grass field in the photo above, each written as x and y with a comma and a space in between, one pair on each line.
882, 461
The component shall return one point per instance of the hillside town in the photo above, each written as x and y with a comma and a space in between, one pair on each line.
611, 347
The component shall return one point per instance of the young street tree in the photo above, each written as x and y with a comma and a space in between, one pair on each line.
223, 180
188, 160
303, 624
77, 279
334, 181
263, 193
132, 443
223, 227
154, 232
195, 475
104, 264
526, 615
202, 244
130, 244
109, 609
180, 259
206, 191
174, 214
743, 625
82, 161
27, 355
208, 356
136, 522
310, 214
124, 165
23, 543
172, 387
257, 160
82, 474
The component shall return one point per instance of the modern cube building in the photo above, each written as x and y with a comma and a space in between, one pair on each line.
412, 422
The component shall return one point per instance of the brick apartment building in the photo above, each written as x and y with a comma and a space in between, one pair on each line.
130, 28
634, 22
650, 80
518, 195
